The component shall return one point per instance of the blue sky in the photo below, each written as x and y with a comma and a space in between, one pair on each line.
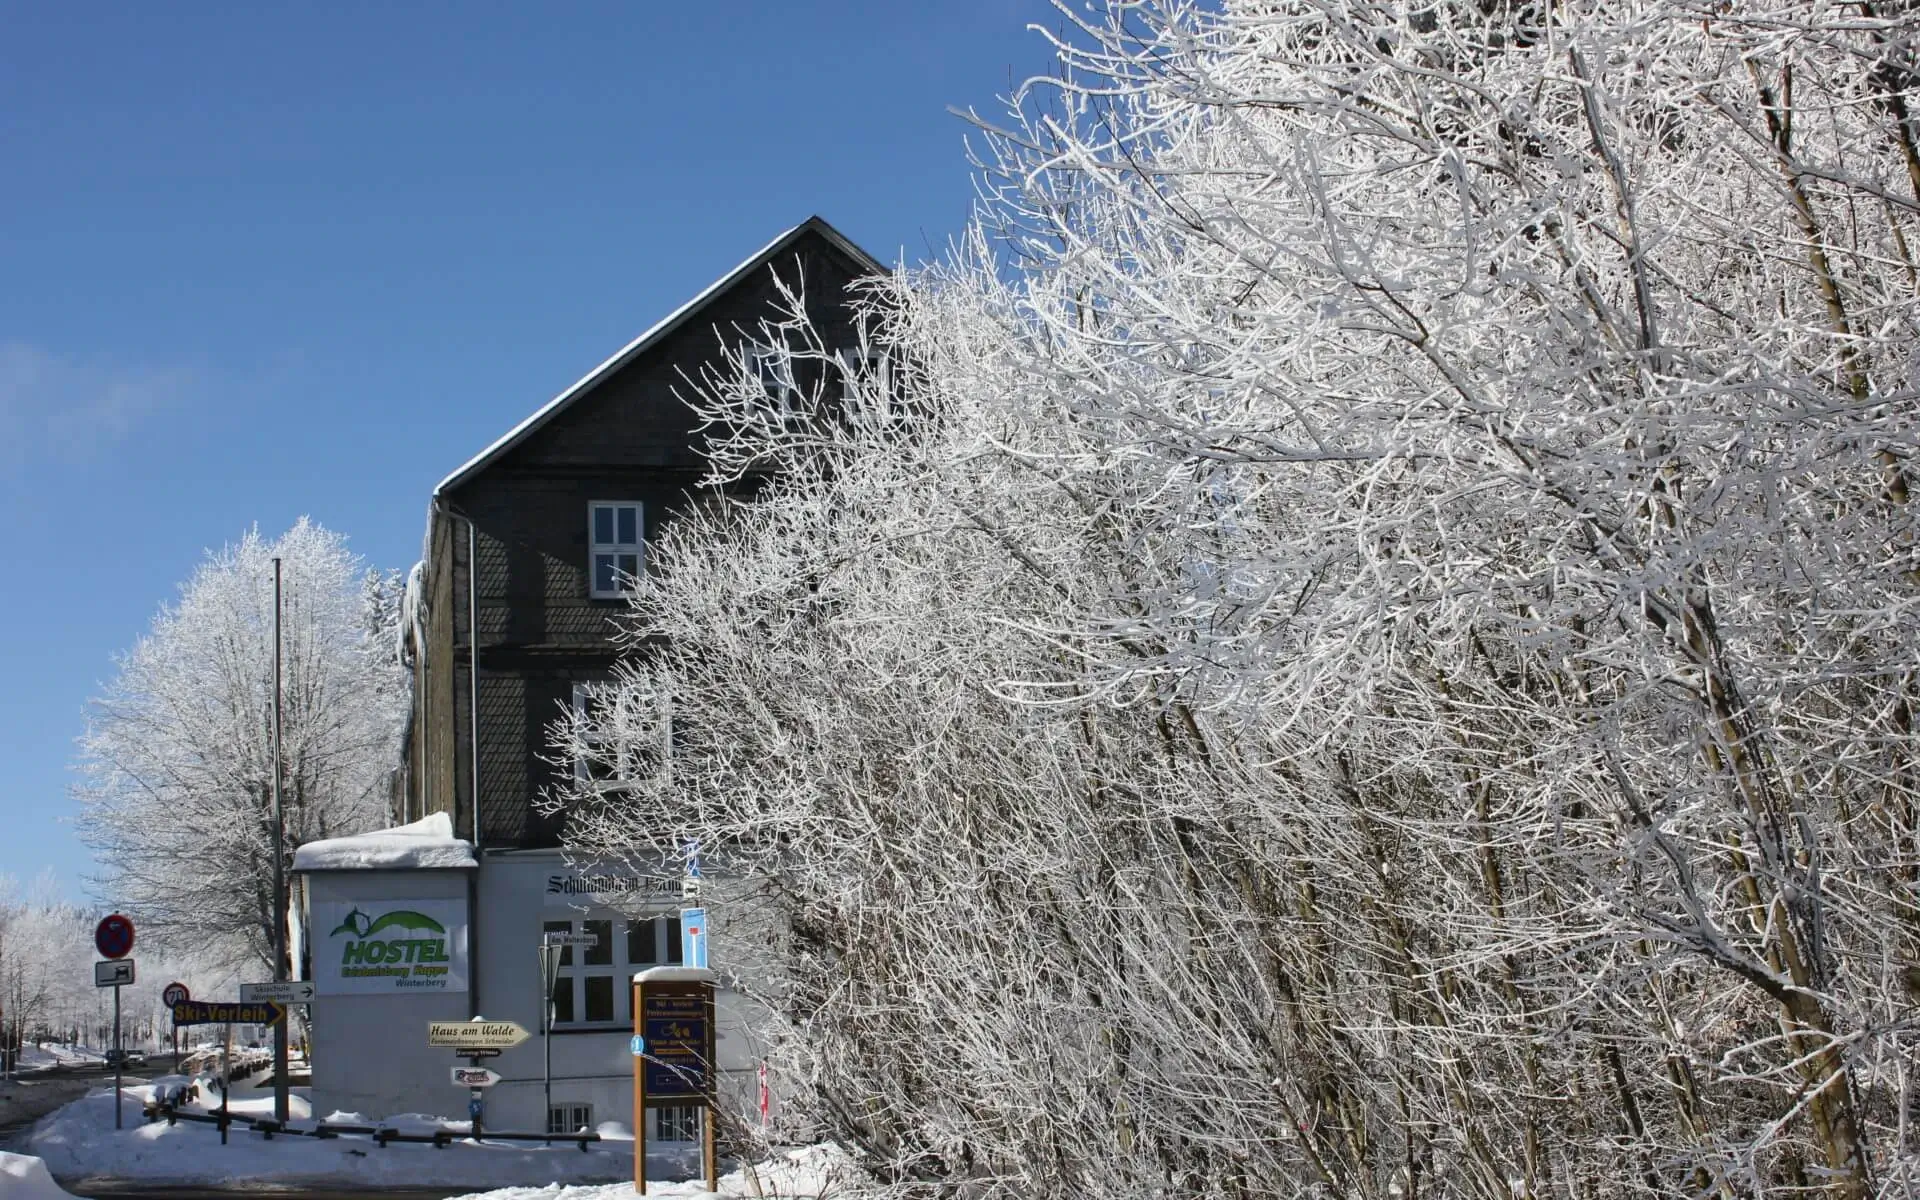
263, 262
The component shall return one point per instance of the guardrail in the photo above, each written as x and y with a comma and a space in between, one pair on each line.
381, 1135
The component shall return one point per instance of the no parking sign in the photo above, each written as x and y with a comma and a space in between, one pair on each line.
113, 936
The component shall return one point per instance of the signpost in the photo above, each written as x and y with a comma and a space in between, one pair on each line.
113, 938
173, 994
673, 1060
207, 1012
292, 992
475, 1034
474, 1077
693, 937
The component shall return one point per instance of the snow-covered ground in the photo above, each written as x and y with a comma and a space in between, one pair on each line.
79, 1143
53, 1054
805, 1174
26, 1178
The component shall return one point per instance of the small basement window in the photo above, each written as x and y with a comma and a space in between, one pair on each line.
677, 1123
614, 530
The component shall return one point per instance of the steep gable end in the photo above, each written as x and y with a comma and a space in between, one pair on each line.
650, 363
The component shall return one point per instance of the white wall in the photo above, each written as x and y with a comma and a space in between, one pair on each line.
370, 1052
593, 1068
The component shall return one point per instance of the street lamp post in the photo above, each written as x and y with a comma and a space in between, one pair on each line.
280, 1071
550, 953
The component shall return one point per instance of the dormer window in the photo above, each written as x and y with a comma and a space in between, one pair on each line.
614, 531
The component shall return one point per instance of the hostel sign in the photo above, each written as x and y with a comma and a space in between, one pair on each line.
387, 948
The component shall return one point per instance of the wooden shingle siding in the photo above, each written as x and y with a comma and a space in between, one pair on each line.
630, 438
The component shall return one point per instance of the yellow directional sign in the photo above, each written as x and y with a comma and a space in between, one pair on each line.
475, 1035
201, 1012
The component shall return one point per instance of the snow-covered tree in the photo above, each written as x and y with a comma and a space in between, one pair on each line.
178, 791
1359, 637
47, 992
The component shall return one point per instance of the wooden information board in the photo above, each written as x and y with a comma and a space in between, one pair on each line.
673, 1061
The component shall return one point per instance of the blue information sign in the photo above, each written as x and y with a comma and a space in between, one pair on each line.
676, 1042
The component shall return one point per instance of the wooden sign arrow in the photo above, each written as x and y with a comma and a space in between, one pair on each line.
471, 1034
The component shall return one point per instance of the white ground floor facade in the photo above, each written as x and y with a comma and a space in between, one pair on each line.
369, 1023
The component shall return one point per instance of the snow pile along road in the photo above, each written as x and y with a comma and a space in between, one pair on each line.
809, 1173
23, 1177
81, 1147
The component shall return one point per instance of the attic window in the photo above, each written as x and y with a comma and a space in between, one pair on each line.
614, 531
774, 369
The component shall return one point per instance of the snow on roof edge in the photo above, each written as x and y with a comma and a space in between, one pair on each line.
654, 332
426, 844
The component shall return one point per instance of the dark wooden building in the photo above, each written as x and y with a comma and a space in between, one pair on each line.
529, 549
527, 541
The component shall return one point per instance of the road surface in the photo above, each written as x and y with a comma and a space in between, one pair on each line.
24, 1101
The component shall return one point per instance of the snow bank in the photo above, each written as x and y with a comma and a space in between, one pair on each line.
805, 1174
25, 1178
428, 842
80, 1145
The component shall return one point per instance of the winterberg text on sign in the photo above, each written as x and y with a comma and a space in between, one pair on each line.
475, 1033
203, 1012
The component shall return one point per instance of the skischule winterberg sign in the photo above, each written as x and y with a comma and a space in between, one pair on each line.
373, 947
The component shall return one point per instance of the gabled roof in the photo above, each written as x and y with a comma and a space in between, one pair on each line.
666, 325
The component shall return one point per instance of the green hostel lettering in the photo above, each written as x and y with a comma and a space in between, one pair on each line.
408, 950
365, 954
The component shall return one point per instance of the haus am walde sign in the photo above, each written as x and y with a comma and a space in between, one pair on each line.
204, 1012
371, 947
475, 1035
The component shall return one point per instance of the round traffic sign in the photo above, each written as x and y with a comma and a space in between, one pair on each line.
174, 994
113, 936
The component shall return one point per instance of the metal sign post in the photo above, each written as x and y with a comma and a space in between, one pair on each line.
279, 870
113, 938
119, 1060
551, 948
226, 1079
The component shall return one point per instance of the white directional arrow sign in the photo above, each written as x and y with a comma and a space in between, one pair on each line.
474, 1077
292, 992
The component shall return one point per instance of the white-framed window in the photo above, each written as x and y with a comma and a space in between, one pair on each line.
591, 986
677, 1123
616, 530
857, 364
867, 368
773, 367
569, 1118
638, 751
